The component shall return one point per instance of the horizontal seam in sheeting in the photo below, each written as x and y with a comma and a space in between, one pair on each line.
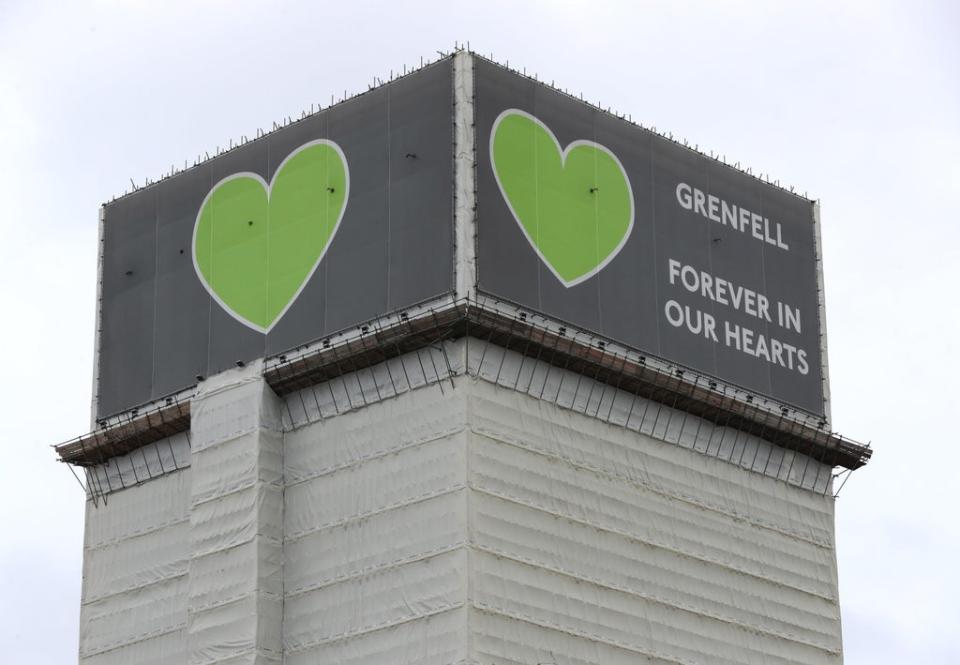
409, 501
246, 541
758, 522
370, 570
160, 580
141, 637
233, 436
655, 599
307, 646
634, 537
665, 601
753, 521
228, 438
319, 473
569, 630
191, 610
236, 489
720, 528
660, 439
136, 534
653, 436
276, 656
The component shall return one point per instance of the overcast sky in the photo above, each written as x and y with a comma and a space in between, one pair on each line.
856, 103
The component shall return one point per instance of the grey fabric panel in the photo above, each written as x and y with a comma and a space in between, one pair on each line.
126, 326
788, 276
686, 239
626, 300
183, 306
394, 246
420, 162
728, 250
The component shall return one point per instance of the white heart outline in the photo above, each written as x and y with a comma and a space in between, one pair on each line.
563, 159
268, 187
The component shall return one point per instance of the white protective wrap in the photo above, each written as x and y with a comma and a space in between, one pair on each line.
460, 517
585, 531
458, 505
375, 527
135, 565
235, 590
586, 395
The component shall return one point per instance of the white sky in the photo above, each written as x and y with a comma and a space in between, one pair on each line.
858, 104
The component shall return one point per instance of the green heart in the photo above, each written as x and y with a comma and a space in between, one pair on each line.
574, 205
255, 245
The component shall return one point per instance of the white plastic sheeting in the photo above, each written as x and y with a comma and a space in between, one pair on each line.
567, 538
459, 518
589, 531
375, 534
235, 586
135, 566
464, 181
600, 401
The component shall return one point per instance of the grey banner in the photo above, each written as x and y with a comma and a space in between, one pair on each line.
159, 326
717, 273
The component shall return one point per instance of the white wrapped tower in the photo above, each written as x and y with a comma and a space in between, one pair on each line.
461, 481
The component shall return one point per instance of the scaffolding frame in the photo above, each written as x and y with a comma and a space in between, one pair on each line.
608, 365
